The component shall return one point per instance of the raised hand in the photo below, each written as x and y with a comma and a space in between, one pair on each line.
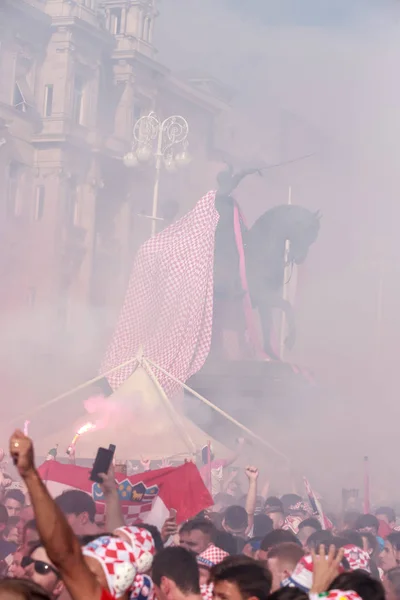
145, 462
252, 473
21, 450
325, 568
108, 485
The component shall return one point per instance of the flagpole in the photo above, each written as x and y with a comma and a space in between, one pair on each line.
286, 278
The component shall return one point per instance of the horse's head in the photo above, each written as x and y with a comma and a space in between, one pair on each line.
304, 229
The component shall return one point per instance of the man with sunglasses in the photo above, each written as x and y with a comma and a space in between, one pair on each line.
40, 569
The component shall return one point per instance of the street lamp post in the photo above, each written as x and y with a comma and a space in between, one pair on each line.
153, 138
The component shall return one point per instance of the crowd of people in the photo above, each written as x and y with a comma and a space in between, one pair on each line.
249, 548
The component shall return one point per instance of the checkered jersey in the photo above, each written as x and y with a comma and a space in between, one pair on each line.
167, 311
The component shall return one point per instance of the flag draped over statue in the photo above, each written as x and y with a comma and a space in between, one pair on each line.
168, 307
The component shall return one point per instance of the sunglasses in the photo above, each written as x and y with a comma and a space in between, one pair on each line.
41, 567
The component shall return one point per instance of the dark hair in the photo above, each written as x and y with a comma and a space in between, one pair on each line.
278, 536
311, 522
226, 541
31, 524
3, 515
155, 534
24, 588
263, 525
236, 517
320, 538
179, 565
251, 577
388, 512
287, 552
361, 582
16, 495
76, 502
394, 539
364, 521
393, 576
203, 525
350, 517
288, 593
204, 455
274, 502
352, 537
289, 500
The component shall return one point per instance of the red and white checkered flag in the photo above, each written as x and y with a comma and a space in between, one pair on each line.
167, 312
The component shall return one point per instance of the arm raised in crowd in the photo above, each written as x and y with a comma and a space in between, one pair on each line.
60, 543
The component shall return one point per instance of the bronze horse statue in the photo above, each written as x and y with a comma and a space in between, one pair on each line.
265, 254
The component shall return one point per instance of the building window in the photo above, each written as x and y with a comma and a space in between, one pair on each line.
48, 101
115, 21
13, 206
77, 105
39, 202
31, 297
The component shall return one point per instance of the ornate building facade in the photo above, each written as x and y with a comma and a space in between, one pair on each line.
75, 76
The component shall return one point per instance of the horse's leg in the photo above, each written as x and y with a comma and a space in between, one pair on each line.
277, 301
265, 313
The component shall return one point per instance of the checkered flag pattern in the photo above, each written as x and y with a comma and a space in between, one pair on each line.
168, 307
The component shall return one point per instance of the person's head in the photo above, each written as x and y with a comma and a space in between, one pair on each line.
389, 557
320, 538
14, 530
79, 509
367, 523
196, 535
207, 455
40, 570
391, 583
156, 535
21, 589
292, 504
207, 560
360, 582
386, 514
175, 574
289, 593
274, 509
349, 519
3, 520
274, 538
282, 560
352, 537
15, 569
30, 536
235, 520
307, 528
14, 501
241, 578
226, 541
262, 525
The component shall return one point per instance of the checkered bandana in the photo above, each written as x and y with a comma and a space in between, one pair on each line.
211, 556
206, 590
336, 595
117, 560
142, 588
357, 558
302, 575
142, 544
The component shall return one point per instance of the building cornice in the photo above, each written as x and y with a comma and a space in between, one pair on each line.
96, 35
